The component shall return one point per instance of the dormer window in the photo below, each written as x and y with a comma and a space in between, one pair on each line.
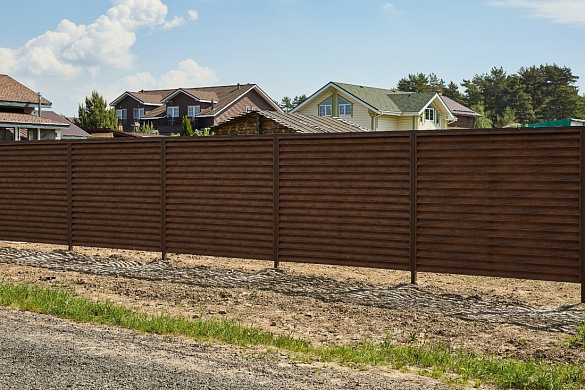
325, 107
344, 107
430, 114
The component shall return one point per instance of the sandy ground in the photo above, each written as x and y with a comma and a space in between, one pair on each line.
325, 304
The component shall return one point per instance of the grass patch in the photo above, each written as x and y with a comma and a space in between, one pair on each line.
63, 304
435, 361
578, 341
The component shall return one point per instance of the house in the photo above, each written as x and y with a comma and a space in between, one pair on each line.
465, 117
205, 106
274, 122
73, 132
19, 114
378, 109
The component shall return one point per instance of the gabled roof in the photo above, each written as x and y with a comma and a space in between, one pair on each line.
72, 131
304, 123
380, 100
197, 94
458, 109
11, 91
153, 97
8, 119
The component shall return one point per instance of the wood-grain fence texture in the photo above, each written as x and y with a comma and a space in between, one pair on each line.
505, 203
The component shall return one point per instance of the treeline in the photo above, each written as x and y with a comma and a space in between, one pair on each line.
534, 94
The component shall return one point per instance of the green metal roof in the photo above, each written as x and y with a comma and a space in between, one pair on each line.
557, 123
388, 99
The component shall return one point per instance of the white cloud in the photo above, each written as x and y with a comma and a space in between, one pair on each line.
557, 11
193, 15
175, 22
188, 74
389, 8
70, 49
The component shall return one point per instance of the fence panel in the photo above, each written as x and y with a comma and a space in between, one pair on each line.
116, 194
219, 197
345, 200
504, 204
492, 203
33, 184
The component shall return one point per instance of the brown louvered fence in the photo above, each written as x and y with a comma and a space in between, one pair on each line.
506, 203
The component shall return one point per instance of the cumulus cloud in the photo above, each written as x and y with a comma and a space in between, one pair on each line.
70, 49
557, 11
188, 74
193, 15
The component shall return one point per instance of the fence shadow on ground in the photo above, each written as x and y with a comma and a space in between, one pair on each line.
403, 296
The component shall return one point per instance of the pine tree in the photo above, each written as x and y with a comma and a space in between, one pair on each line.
94, 114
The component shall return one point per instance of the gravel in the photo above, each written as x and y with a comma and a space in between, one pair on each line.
42, 352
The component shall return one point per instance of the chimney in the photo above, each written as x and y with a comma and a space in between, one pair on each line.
440, 93
238, 85
40, 96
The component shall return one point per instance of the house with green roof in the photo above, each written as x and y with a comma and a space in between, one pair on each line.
378, 109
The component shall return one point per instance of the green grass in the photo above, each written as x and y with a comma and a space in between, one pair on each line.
436, 361
578, 341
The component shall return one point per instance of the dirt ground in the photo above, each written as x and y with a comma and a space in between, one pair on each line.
325, 304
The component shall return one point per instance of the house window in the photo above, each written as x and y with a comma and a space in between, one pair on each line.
173, 112
49, 134
344, 107
7, 134
325, 107
430, 114
29, 134
122, 114
138, 113
193, 111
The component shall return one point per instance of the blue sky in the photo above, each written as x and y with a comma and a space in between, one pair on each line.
65, 48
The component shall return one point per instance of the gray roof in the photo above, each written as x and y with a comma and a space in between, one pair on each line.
458, 109
72, 131
305, 123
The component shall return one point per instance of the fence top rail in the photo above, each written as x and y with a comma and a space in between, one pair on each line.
266, 137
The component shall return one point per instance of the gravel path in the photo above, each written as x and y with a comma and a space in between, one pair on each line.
41, 352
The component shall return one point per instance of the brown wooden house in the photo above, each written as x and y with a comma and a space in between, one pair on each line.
205, 106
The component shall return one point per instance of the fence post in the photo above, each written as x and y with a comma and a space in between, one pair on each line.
163, 199
582, 211
413, 227
276, 196
69, 196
